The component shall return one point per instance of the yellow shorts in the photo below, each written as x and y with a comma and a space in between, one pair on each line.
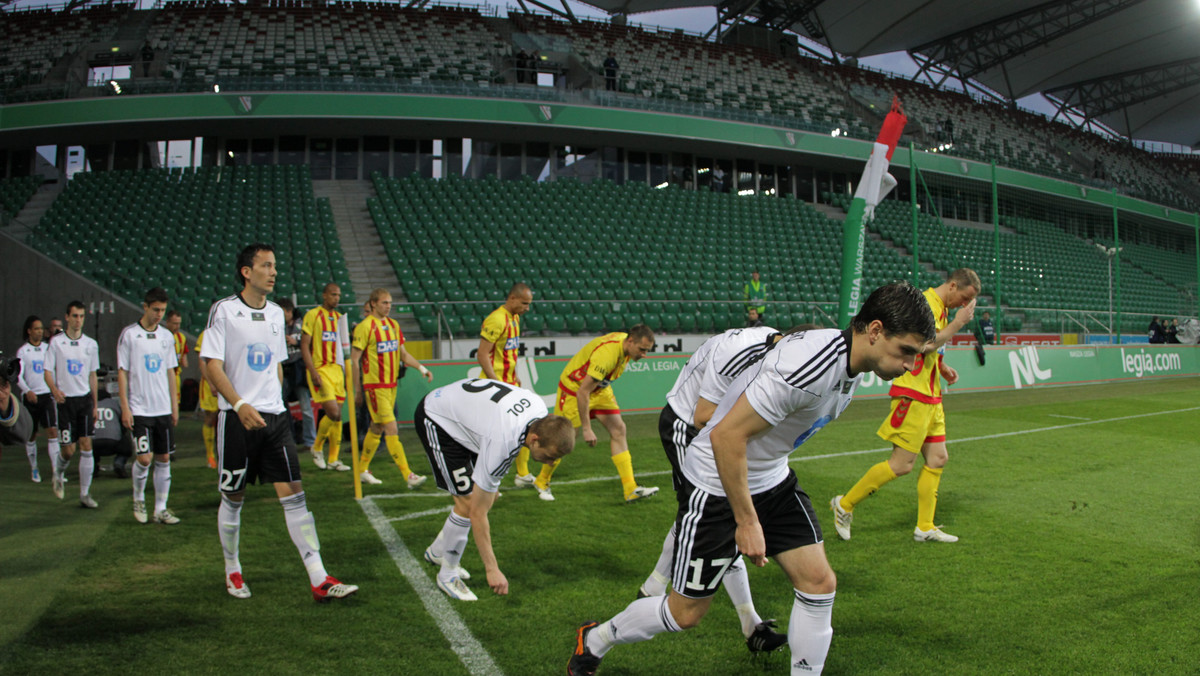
602, 402
381, 402
208, 399
913, 424
333, 384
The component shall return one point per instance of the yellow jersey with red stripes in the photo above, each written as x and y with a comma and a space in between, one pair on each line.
503, 330
380, 341
322, 326
924, 382
603, 359
181, 347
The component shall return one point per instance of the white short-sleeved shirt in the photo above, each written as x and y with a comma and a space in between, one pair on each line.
714, 365
72, 362
489, 417
33, 363
149, 359
252, 343
801, 385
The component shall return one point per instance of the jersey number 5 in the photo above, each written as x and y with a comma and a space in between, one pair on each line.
484, 386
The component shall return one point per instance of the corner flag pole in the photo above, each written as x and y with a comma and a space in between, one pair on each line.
344, 339
876, 183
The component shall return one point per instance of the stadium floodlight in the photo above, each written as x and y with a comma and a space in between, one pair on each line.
662, 185
836, 132
114, 86
216, 88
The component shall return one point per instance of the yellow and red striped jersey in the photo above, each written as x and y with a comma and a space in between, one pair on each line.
924, 382
603, 359
503, 329
322, 326
380, 341
181, 348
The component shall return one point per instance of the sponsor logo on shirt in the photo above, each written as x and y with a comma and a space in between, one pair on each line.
74, 367
512, 343
387, 346
154, 362
816, 427
36, 366
257, 317
258, 357
329, 336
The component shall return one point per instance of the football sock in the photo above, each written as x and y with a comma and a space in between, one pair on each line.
87, 465
303, 529
641, 620
523, 461
370, 445
322, 434
210, 442
31, 453
543, 477
62, 464
396, 450
454, 542
335, 441
52, 451
140, 474
875, 477
656, 584
624, 463
810, 631
162, 484
229, 525
438, 547
737, 585
927, 489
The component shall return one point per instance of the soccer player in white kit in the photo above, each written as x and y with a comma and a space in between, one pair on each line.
72, 359
738, 493
244, 350
146, 361
472, 431
31, 381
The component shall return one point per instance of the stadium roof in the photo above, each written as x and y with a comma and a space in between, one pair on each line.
1133, 65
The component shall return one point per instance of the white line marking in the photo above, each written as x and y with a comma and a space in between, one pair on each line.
477, 660
1069, 417
418, 515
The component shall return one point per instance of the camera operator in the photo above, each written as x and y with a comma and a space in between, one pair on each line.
16, 425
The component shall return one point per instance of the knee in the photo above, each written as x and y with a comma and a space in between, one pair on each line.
824, 582
937, 460
687, 617
617, 429
899, 467
144, 460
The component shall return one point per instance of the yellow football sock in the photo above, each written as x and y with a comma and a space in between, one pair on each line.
523, 461
927, 487
210, 442
335, 440
624, 463
543, 477
322, 433
396, 450
875, 477
370, 445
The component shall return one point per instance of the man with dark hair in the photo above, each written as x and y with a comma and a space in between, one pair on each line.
173, 321
244, 347
472, 430
1156, 333
499, 345
321, 350
917, 423
72, 360
149, 403
737, 493
31, 381
584, 393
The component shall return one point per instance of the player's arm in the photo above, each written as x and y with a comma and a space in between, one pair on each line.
249, 417
948, 372
964, 315
411, 361
356, 354
583, 401
703, 413
174, 406
123, 394
94, 384
23, 383
729, 439
306, 355
481, 502
485, 355
48, 376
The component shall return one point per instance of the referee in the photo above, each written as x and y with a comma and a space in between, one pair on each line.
244, 349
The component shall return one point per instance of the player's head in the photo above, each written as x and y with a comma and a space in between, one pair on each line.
154, 306
173, 320
895, 325
288, 307
32, 331
56, 326
75, 314
331, 295
520, 296
639, 341
380, 303
963, 285
550, 438
256, 268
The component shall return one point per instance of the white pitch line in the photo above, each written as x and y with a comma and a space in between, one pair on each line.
473, 655
1069, 417
418, 515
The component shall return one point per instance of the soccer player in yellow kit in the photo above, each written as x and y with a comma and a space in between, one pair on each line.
377, 350
319, 349
584, 393
173, 322
499, 340
917, 423
208, 404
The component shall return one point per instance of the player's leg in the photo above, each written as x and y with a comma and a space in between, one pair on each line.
451, 472
163, 445
66, 448
307, 424
675, 435
936, 456
142, 449
565, 406
209, 432
87, 461
621, 458
372, 438
385, 400
333, 410
231, 439
904, 428
320, 395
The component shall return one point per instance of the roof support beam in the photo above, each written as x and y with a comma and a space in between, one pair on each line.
1103, 95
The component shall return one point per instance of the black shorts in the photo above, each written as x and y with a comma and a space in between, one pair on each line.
675, 435
705, 532
153, 434
266, 455
453, 464
75, 419
44, 412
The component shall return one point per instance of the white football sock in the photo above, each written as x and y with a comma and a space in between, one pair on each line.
454, 543
641, 620
810, 631
52, 451
303, 529
229, 525
140, 474
660, 577
737, 585
31, 453
87, 465
162, 485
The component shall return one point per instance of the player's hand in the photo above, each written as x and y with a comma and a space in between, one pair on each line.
31, 397
589, 437
316, 380
518, 381
428, 375
498, 582
949, 374
752, 543
174, 418
966, 313
127, 420
95, 413
250, 418
59, 397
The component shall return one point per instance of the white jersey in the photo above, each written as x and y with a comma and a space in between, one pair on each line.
72, 362
713, 367
32, 376
488, 417
252, 343
799, 387
148, 357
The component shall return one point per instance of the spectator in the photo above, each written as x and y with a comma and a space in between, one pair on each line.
147, 58
610, 73
1155, 331
718, 179
987, 330
522, 64
755, 294
752, 318
1171, 331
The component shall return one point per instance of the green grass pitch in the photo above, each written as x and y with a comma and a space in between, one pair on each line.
1077, 509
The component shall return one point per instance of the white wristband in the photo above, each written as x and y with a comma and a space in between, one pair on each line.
424, 371
240, 403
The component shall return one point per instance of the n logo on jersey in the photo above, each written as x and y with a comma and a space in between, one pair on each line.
385, 346
36, 366
153, 362
74, 367
816, 427
258, 357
